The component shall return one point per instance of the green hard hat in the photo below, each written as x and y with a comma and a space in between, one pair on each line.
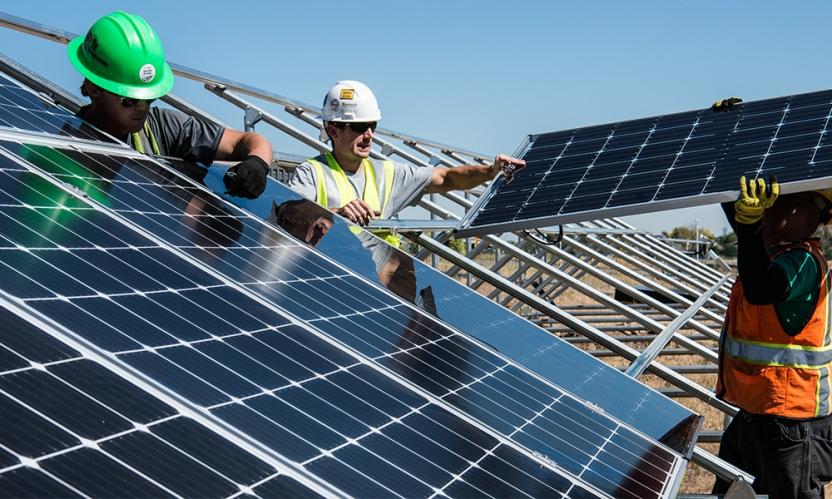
122, 54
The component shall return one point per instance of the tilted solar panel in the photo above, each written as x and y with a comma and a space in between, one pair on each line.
403, 340
279, 384
527, 344
72, 426
663, 162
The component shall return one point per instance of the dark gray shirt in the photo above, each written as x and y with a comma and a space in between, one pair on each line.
180, 135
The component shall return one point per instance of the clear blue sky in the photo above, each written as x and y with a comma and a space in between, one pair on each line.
477, 74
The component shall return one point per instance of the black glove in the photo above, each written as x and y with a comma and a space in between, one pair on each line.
247, 179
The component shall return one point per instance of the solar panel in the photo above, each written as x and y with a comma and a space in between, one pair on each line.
72, 426
278, 383
518, 339
403, 340
659, 163
22, 109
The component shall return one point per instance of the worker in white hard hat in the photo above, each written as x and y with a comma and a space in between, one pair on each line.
348, 182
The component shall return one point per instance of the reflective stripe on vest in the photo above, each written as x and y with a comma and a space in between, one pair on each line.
786, 375
346, 191
138, 140
772, 354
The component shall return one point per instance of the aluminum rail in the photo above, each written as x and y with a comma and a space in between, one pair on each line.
647, 249
633, 314
669, 293
649, 269
681, 257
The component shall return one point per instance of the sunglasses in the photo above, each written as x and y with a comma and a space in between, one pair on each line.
358, 127
130, 103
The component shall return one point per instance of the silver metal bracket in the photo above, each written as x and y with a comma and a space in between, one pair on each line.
252, 116
387, 149
740, 489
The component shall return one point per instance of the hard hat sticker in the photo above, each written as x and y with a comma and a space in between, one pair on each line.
147, 73
334, 104
347, 93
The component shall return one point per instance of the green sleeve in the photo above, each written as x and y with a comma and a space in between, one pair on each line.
803, 274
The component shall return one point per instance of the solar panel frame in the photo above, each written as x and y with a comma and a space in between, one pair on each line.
702, 154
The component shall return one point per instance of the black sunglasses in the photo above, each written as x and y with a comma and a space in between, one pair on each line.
358, 127
130, 103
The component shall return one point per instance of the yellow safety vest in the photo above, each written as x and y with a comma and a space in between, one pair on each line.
138, 143
346, 192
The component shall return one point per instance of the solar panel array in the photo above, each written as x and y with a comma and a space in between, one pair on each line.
331, 377
71, 426
662, 162
525, 343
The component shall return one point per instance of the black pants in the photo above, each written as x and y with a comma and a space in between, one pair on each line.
789, 458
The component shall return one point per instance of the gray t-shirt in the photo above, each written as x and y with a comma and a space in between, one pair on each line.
409, 183
180, 135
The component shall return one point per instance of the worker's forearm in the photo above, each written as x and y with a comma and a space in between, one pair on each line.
467, 177
253, 144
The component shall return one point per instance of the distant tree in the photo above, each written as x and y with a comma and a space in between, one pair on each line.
689, 232
457, 245
726, 246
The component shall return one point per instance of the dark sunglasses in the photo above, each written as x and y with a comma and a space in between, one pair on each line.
130, 103
358, 127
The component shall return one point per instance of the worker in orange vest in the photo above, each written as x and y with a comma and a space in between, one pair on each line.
775, 350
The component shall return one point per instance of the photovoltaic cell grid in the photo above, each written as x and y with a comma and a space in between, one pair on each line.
444, 363
568, 367
72, 427
270, 378
21, 109
662, 162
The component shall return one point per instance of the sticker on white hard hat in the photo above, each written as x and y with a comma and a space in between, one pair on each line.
347, 93
334, 104
147, 73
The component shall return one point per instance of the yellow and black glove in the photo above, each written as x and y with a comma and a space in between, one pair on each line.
725, 104
754, 199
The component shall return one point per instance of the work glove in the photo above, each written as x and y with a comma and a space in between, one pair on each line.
754, 199
247, 179
725, 104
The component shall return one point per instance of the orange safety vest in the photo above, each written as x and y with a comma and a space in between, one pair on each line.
346, 192
762, 369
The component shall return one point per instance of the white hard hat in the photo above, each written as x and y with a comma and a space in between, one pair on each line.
350, 101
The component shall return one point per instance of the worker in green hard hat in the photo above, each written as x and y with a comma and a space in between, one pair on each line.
124, 69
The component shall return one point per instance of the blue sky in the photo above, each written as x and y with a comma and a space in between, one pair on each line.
479, 75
